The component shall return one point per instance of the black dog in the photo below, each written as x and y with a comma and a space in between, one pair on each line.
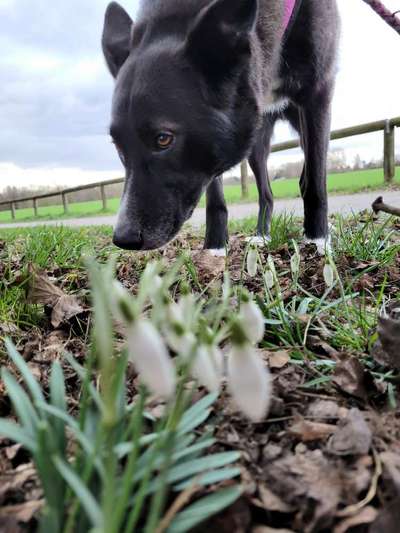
199, 87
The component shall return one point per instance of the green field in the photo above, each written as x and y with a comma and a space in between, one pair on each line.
348, 182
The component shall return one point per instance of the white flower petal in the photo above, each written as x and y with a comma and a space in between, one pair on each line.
252, 262
269, 279
180, 344
204, 369
150, 356
249, 382
328, 275
252, 321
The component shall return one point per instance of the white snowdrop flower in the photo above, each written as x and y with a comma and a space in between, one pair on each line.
205, 369
252, 321
269, 279
328, 275
121, 303
149, 354
180, 342
249, 382
295, 263
271, 265
252, 262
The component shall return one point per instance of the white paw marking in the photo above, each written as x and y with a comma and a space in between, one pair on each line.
324, 245
258, 240
217, 252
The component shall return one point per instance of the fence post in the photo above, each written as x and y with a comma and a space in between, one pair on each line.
65, 202
35, 207
389, 163
13, 207
244, 176
103, 197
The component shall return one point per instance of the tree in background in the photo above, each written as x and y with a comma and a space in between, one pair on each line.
390, 18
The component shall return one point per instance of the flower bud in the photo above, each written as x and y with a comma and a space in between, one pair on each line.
150, 356
328, 275
252, 262
249, 382
269, 279
252, 321
206, 367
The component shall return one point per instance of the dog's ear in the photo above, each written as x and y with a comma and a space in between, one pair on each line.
220, 36
116, 38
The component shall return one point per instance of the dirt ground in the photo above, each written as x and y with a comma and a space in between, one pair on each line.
327, 459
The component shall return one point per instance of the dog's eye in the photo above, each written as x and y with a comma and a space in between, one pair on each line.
164, 140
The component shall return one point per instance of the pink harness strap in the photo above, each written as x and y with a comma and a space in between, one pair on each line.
289, 8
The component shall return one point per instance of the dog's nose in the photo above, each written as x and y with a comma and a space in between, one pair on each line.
129, 240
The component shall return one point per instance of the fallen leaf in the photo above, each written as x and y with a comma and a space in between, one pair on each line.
308, 481
209, 265
366, 516
308, 431
323, 409
352, 436
42, 291
22, 512
318, 345
349, 376
266, 529
388, 520
386, 350
278, 359
272, 502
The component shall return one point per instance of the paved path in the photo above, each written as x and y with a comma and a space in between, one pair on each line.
343, 204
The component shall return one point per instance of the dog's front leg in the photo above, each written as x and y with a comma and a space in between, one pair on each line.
216, 218
315, 120
258, 163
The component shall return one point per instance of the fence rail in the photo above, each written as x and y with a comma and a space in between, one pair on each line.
387, 126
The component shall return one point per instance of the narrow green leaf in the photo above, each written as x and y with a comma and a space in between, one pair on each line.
16, 433
86, 498
209, 478
22, 404
57, 387
25, 371
193, 412
196, 466
204, 509
195, 422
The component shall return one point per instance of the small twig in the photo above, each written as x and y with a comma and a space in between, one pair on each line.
353, 509
379, 205
180, 502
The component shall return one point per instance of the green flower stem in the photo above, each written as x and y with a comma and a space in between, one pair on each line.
128, 477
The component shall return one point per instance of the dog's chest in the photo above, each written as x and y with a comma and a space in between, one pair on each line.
275, 102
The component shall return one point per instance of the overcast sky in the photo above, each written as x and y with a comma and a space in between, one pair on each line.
55, 91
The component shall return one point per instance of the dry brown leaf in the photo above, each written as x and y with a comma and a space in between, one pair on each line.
349, 376
308, 481
308, 431
365, 516
352, 436
272, 502
266, 529
386, 350
42, 291
388, 520
278, 359
208, 265
22, 512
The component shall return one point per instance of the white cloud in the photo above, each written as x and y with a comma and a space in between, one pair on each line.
56, 96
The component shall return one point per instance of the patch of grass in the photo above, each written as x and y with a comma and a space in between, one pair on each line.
348, 182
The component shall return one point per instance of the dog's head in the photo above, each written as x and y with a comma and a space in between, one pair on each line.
183, 110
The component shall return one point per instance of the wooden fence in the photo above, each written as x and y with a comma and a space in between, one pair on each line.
387, 126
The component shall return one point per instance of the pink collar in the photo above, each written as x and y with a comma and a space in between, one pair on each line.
289, 8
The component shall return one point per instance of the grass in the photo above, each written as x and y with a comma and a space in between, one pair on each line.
317, 322
349, 182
